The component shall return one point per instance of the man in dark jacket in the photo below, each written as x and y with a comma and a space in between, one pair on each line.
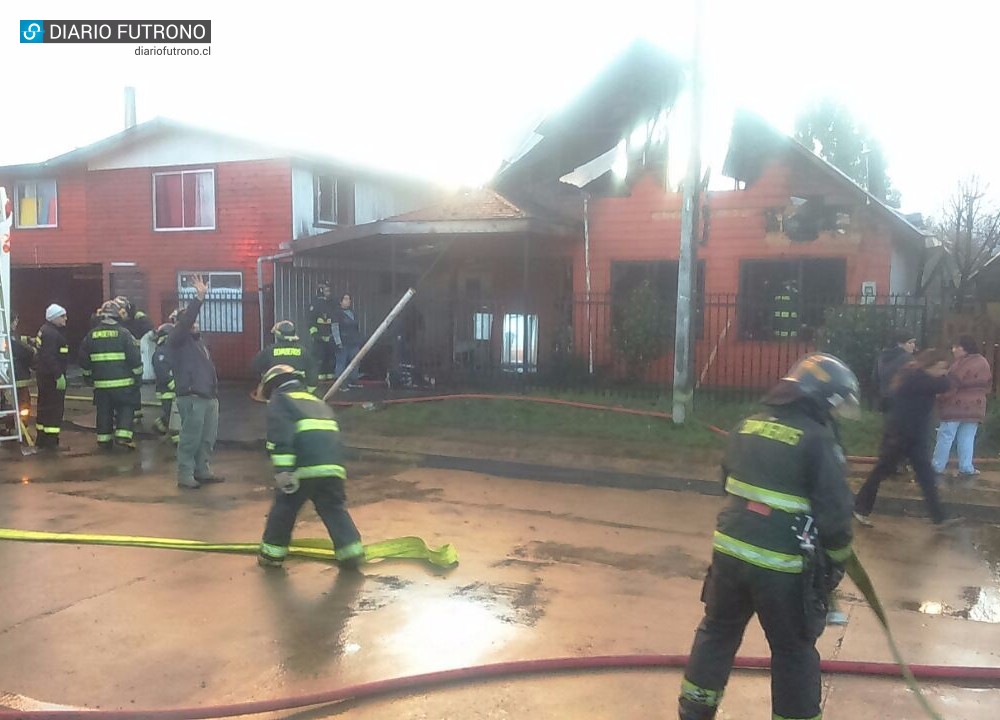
286, 349
51, 362
347, 336
303, 439
321, 315
888, 363
112, 364
781, 541
197, 394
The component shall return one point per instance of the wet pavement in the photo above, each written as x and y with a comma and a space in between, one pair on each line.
547, 570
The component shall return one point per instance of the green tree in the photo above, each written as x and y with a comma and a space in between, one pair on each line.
857, 334
827, 128
642, 329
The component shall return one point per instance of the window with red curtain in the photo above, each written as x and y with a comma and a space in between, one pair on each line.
184, 200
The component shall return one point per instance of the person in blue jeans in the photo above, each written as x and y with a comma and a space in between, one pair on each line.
962, 408
347, 336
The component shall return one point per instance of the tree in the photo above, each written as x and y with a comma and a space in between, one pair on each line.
827, 128
642, 329
969, 229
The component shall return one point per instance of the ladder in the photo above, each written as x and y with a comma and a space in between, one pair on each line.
8, 383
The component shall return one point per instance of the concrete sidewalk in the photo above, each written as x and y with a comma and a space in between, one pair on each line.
242, 425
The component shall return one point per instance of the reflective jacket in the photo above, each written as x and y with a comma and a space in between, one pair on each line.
53, 352
321, 314
302, 435
110, 358
166, 387
783, 467
288, 352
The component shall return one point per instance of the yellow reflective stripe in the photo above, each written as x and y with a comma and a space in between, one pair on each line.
103, 333
287, 351
320, 471
313, 330
275, 551
106, 384
840, 554
126, 434
269, 446
771, 498
107, 357
310, 424
700, 695
299, 395
772, 431
64, 349
283, 460
102, 437
48, 429
166, 396
172, 385
761, 557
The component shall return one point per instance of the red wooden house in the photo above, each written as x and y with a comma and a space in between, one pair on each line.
139, 212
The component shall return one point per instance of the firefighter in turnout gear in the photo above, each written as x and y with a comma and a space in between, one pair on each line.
111, 362
166, 387
139, 325
785, 319
321, 315
286, 349
303, 440
780, 542
23, 352
50, 369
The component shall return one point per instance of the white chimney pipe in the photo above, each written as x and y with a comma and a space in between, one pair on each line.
129, 107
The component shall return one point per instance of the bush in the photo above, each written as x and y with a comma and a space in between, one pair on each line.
642, 329
857, 334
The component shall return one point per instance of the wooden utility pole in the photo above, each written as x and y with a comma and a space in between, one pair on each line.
687, 265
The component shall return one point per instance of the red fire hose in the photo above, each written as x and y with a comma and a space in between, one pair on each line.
417, 683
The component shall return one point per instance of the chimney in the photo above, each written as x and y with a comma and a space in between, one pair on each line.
129, 107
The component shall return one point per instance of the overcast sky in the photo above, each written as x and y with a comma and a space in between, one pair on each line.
446, 90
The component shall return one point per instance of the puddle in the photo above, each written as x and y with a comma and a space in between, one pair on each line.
982, 604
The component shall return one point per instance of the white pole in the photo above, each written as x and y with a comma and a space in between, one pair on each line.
371, 342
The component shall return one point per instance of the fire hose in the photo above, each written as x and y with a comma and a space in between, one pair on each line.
446, 556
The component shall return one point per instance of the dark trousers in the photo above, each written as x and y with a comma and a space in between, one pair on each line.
51, 404
329, 498
115, 408
326, 358
893, 450
165, 407
733, 592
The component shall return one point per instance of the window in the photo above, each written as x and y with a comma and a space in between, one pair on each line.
520, 342
222, 311
334, 200
35, 204
785, 299
626, 277
482, 326
184, 200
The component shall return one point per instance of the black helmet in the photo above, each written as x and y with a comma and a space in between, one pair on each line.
828, 382
275, 377
284, 330
162, 332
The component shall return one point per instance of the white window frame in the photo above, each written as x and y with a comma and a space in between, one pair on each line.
482, 325
317, 220
215, 204
186, 294
17, 202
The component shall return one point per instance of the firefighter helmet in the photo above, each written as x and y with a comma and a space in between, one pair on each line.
124, 303
275, 377
162, 332
284, 330
828, 382
111, 310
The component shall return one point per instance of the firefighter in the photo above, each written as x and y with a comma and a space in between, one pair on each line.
111, 362
166, 387
321, 315
780, 542
303, 439
785, 323
50, 371
139, 325
23, 352
287, 349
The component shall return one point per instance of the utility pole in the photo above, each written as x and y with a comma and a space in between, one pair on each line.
687, 265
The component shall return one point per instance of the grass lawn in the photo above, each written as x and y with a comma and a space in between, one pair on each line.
594, 431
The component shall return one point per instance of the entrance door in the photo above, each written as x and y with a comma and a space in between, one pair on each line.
131, 284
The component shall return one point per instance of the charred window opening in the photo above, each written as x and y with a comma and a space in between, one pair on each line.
784, 300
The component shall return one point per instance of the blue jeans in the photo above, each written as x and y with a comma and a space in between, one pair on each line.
346, 353
947, 431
